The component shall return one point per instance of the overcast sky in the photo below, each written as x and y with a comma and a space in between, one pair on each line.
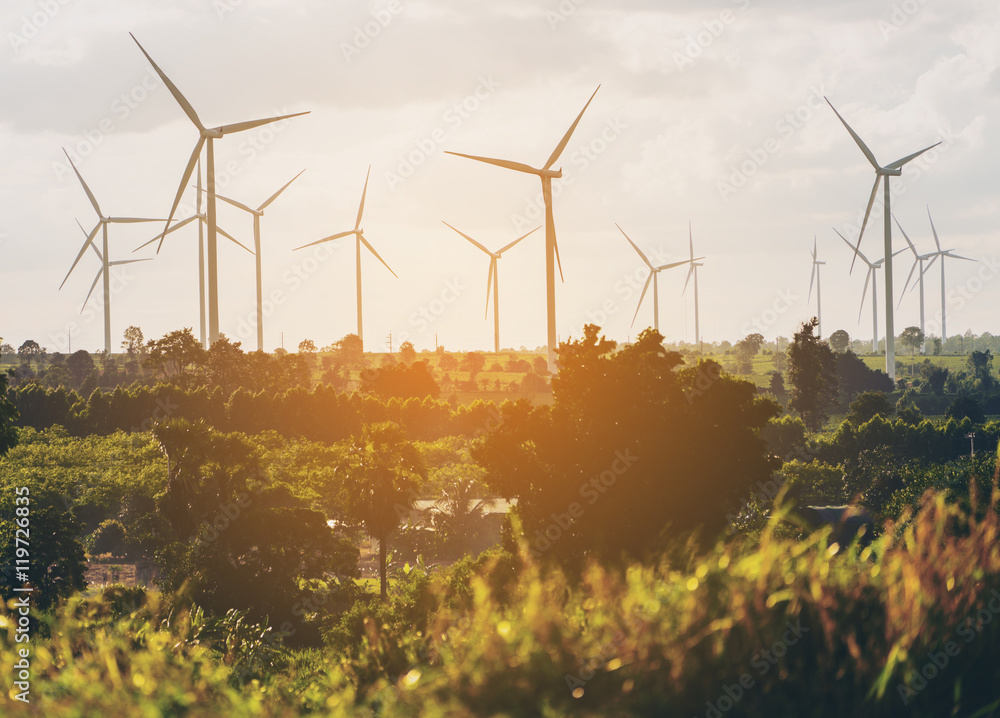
708, 112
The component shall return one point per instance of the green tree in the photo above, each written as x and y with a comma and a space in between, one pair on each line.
912, 337
380, 477
936, 376
840, 340
8, 418
448, 362
813, 375
134, 343
30, 351
746, 349
981, 365
175, 353
407, 354
633, 442
473, 362
400, 381
869, 404
80, 364
351, 351
307, 346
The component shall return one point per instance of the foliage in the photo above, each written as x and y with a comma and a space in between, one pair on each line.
632, 443
854, 377
840, 340
785, 436
966, 406
870, 404
402, 381
8, 416
813, 375
912, 337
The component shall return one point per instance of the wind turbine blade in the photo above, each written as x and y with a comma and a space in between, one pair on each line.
569, 133
92, 287
163, 234
372, 250
858, 140
338, 235
97, 252
275, 195
813, 252
905, 235
231, 238
250, 124
677, 264
508, 246
854, 249
907, 283
489, 284
899, 163
555, 246
642, 296
812, 280
516, 166
180, 190
936, 241
958, 256
181, 100
129, 261
639, 251
925, 269
132, 220
234, 203
868, 211
90, 238
864, 292
688, 278
468, 238
90, 195
361, 207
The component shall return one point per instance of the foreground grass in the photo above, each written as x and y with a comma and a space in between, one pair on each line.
910, 626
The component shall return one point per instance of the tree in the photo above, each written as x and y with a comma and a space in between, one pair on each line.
912, 337
473, 362
813, 375
380, 477
746, 349
458, 515
134, 343
175, 353
840, 340
6, 349
633, 442
307, 346
936, 376
400, 381
351, 351
981, 365
80, 364
869, 404
966, 406
407, 354
8, 417
225, 364
854, 377
29, 351
448, 362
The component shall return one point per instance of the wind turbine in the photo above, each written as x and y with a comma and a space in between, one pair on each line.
870, 276
492, 278
693, 271
102, 225
359, 240
546, 174
814, 277
105, 266
202, 218
947, 253
653, 276
894, 169
257, 214
206, 138
918, 260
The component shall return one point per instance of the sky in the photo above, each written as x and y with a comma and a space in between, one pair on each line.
708, 113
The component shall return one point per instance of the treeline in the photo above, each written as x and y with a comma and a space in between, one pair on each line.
321, 414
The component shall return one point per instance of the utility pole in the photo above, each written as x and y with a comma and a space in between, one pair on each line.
389, 342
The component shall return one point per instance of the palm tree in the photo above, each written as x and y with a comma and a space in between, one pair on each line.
380, 478
458, 515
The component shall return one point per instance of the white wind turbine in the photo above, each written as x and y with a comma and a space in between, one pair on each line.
102, 225
546, 174
206, 138
202, 218
257, 214
944, 254
653, 277
693, 272
814, 277
894, 169
918, 261
870, 276
492, 278
359, 240
105, 266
